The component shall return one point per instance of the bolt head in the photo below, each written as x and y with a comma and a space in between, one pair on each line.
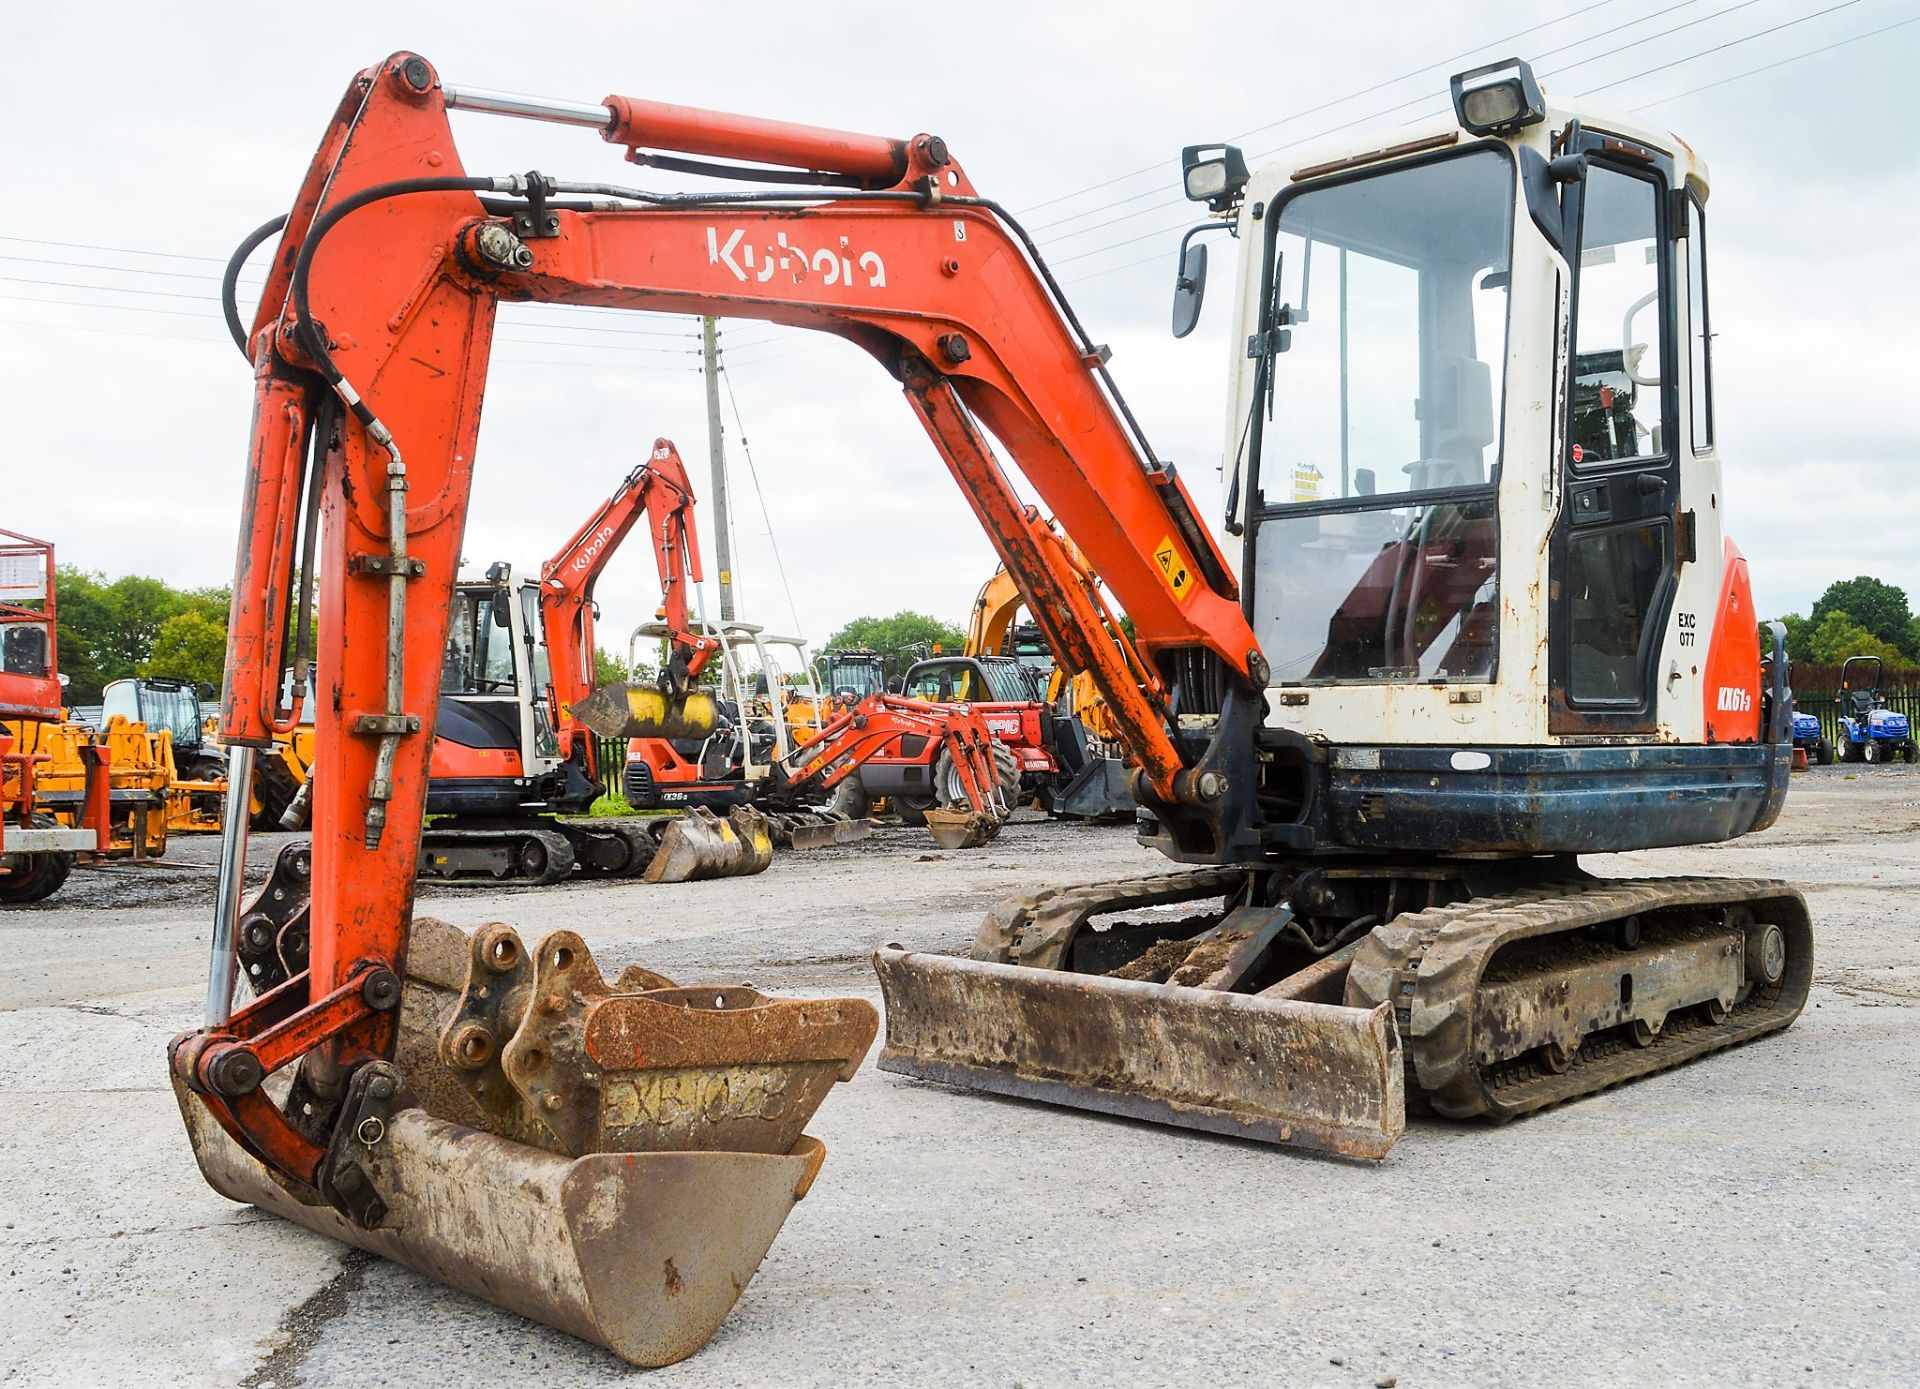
381, 1088
234, 1073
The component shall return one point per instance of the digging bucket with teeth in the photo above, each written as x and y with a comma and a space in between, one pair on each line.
613, 1160
699, 844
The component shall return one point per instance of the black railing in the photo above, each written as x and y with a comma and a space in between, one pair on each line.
612, 756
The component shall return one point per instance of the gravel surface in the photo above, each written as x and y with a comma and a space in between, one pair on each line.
1747, 1220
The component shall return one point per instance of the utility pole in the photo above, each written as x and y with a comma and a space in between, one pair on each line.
717, 454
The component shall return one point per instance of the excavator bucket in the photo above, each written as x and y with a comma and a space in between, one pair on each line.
626, 709
700, 844
611, 1160
1164, 1035
961, 829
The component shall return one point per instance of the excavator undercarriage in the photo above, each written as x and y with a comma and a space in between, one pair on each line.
1314, 1006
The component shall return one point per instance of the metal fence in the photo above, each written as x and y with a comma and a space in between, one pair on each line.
612, 758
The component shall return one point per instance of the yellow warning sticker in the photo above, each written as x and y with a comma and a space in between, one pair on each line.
1173, 569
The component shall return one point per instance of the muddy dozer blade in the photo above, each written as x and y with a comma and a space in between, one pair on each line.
700, 844
1279, 1070
816, 829
625, 709
961, 829
642, 1253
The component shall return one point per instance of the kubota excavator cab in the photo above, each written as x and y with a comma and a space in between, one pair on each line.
496, 752
1477, 511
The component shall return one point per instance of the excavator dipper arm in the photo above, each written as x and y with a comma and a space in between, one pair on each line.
370, 350
659, 490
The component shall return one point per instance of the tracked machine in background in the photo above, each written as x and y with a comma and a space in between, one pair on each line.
512, 758
788, 750
38, 851
1466, 652
1089, 778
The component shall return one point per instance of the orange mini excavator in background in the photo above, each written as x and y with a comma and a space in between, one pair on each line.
510, 757
1467, 650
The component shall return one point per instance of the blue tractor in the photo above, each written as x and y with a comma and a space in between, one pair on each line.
1869, 731
1808, 735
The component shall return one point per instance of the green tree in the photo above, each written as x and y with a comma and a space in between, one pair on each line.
1879, 607
108, 627
1837, 636
609, 666
900, 639
1798, 632
189, 646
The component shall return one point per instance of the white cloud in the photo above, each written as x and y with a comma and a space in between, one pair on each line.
132, 127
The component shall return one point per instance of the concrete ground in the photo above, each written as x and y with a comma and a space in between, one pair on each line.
1747, 1220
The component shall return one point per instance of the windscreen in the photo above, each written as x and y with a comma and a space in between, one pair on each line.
1373, 543
479, 655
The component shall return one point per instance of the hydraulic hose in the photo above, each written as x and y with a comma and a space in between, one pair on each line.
393, 720
230, 278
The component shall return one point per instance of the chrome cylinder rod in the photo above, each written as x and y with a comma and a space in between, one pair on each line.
528, 108
233, 876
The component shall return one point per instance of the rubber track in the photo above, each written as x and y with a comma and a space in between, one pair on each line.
560, 857
1431, 962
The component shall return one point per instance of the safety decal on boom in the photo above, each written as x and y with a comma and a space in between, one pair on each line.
1173, 569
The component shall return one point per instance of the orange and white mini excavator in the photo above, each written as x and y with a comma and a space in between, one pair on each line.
1472, 613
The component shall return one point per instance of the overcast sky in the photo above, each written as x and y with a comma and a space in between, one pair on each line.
141, 142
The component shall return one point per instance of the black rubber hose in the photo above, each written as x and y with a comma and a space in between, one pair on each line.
230, 279
310, 338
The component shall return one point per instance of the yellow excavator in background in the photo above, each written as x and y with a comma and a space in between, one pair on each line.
1092, 780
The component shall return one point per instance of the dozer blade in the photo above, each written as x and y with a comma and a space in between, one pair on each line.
700, 844
610, 1159
961, 829
1280, 1070
816, 829
625, 709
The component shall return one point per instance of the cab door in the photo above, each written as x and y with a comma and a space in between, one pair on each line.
1616, 545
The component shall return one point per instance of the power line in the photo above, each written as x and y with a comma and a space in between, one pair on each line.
112, 332
1314, 110
111, 308
121, 250
1411, 101
1792, 58
1722, 47
1612, 52
779, 565
1415, 101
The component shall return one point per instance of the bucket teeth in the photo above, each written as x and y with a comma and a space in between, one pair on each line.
700, 844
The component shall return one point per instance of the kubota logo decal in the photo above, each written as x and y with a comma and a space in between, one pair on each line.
584, 560
758, 264
1735, 701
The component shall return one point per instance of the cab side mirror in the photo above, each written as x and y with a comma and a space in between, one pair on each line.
1189, 288
501, 608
